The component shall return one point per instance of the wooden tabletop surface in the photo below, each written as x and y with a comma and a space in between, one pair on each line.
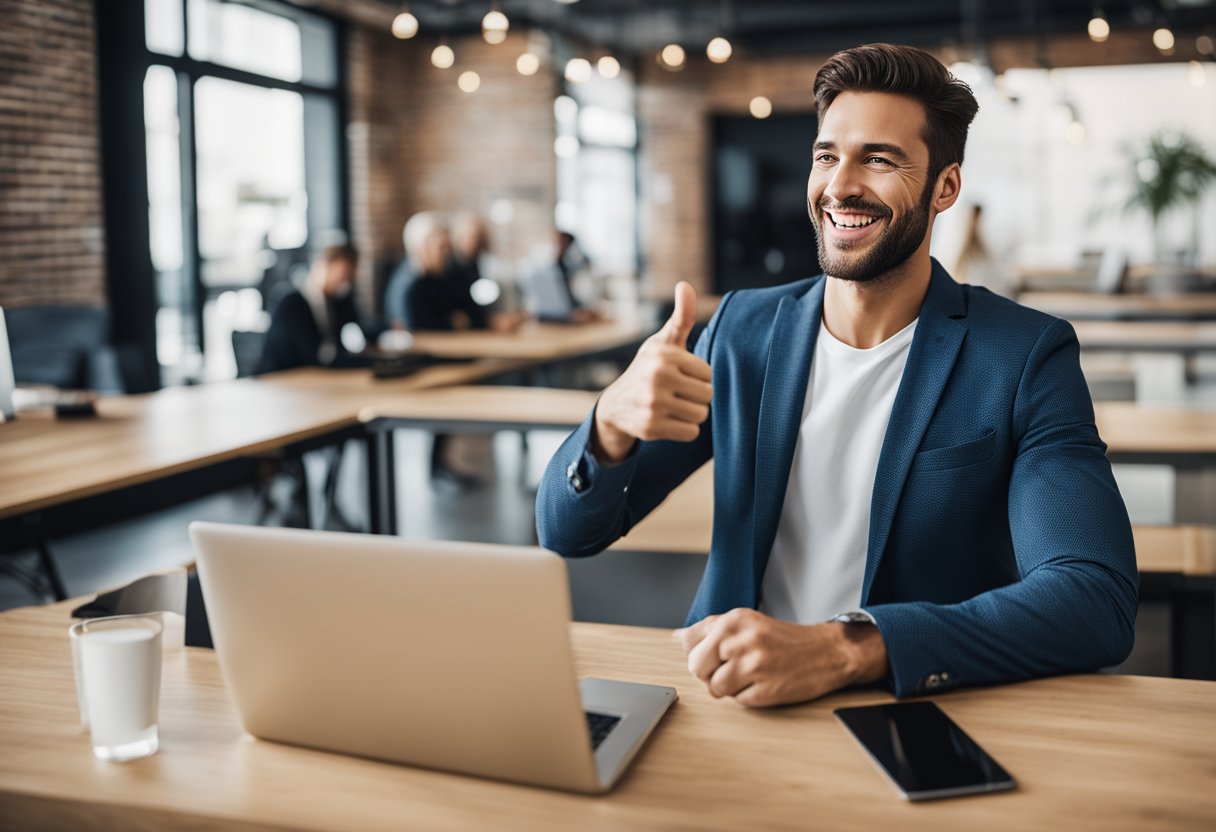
534, 341
1174, 336
1082, 305
1094, 752
139, 439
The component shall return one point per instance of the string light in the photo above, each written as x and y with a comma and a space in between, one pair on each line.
760, 107
719, 50
442, 56
1204, 45
578, 70
494, 26
608, 66
527, 64
672, 56
1099, 28
1163, 39
405, 25
468, 81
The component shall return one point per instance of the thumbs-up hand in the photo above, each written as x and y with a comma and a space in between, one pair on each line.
663, 394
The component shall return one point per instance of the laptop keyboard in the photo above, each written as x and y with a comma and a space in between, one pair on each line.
599, 726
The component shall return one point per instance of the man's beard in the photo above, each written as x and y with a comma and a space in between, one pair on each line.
892, 249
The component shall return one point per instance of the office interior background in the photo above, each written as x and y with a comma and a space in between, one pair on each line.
167, 165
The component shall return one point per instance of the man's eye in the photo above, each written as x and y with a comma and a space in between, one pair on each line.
824, 157
880, 160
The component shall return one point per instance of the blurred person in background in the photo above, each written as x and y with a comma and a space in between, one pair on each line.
307, 323
422, 294
474, 273
550, 286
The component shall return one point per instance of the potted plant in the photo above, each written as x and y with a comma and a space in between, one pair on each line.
1170, 171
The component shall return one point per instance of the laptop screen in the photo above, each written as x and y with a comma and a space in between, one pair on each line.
6, 373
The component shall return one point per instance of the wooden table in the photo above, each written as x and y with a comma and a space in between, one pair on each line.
1182, 337
535, 341
1095, 752
1080, 306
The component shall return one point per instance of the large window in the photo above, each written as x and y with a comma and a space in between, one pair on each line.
596, 149
242, 118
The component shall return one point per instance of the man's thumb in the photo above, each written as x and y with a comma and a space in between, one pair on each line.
684, 318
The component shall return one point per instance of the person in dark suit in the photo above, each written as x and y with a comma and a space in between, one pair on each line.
425, 293
306, 324
908, 482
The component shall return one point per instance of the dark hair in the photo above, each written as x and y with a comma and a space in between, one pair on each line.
905, 70
340, 251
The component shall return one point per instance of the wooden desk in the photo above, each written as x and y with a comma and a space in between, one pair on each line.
535, 341
1090, 306
1147, 336
1099, 752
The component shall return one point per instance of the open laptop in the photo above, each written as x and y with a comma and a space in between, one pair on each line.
452, 656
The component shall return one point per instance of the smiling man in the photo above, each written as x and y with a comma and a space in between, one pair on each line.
908, 482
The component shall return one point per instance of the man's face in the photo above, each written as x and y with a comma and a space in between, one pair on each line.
869, 191
339, 277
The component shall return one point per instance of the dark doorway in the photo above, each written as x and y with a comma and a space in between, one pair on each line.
762, 236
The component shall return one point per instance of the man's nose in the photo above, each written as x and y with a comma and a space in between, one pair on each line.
845, 182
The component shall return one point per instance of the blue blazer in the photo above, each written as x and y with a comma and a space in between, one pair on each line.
999, 547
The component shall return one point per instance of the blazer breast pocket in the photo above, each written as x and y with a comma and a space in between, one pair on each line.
957, 456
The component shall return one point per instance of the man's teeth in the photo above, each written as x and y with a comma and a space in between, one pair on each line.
853, 223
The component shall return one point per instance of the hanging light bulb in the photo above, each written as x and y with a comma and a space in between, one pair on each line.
760, 107
1163, 39
468, 81
494, 26
442, 56
672, 56
1204, 45
578, 70
608, 66
405, 25
1099, 28
719, 50
527, 64
1075, 134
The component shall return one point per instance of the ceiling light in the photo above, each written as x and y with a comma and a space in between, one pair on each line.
608, 66
527, 64
442, 56
1204, 45
405, 26
1075, 134
760, 107
1163, 39
578, 70
468, 81
1099, 28
719, 50
672, 56
494, 26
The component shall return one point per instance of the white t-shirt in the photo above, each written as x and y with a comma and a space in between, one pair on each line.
818, 561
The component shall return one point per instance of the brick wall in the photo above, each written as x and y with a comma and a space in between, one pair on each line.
418, 143
674, 111
51, 233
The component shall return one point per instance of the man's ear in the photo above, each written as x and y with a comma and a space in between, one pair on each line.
947, 188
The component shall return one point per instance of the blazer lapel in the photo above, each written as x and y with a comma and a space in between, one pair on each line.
935, 346
781, 403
